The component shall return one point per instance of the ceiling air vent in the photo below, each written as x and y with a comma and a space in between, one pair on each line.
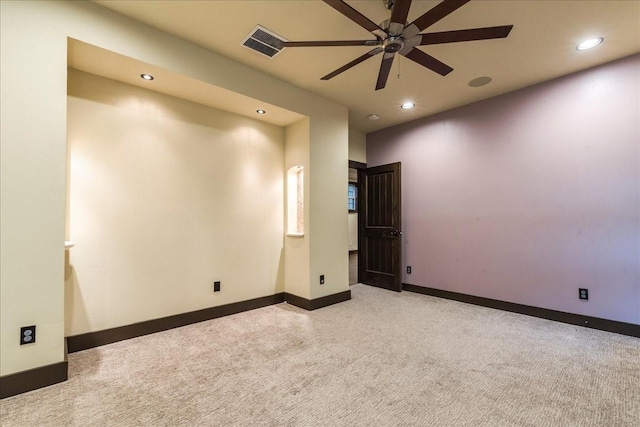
264, 42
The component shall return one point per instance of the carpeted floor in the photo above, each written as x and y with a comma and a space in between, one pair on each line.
381, 359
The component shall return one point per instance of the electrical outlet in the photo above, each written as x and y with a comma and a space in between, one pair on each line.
408, 269
27, 335
583, 293
216, 286
322, 279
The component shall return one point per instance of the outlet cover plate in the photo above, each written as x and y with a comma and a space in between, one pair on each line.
27, 335
583, 293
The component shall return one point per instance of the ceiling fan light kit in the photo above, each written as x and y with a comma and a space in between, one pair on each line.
396, 36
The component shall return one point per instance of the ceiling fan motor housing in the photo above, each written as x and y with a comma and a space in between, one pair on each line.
393, 44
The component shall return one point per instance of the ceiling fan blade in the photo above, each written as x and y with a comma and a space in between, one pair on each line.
353, 14
466, 35
400, 11
438, 12
428, 61
385, 69
332, 43
353, 63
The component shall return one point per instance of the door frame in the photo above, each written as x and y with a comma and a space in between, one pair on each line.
361, 168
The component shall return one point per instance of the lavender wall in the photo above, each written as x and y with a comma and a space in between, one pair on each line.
528, 196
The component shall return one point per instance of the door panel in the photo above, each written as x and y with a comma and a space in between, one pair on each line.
380, 261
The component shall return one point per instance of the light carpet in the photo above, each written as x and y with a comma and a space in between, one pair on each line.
381, 359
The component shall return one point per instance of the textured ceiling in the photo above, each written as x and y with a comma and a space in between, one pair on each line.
541, 46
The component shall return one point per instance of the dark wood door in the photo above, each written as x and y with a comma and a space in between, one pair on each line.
380, 257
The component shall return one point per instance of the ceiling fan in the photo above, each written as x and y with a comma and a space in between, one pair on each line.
397, 36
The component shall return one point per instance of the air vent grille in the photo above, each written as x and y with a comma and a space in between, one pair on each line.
264, 42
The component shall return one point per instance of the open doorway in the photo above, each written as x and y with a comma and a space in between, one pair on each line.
352, 202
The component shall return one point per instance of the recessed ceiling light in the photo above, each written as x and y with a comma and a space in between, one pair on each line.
373, 117
407, 105
589, 43
480, 81
261, 112
146, 76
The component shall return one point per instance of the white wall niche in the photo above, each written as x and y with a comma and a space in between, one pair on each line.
295, 201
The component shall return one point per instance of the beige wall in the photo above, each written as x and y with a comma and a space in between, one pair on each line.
166, 196
297, 251
33, 154
328, 227
32, 187
357, 145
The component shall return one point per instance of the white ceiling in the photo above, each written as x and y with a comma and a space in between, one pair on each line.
541, 46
